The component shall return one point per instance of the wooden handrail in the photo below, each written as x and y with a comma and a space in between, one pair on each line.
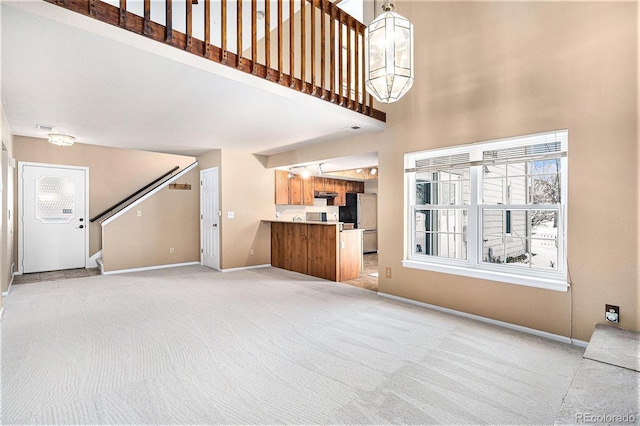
138, 192
334, 73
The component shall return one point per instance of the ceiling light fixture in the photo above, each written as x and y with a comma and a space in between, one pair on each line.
290, 174
260, 15
358, 170
305, 173
320, 171
388, 65
373, 171
61, 139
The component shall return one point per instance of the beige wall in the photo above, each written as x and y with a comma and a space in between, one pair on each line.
487, 70
113, 173
7, 240
168, 219
247, 189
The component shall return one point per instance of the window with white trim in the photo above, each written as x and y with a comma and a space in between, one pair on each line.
493, 210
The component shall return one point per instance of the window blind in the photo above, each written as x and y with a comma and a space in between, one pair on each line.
511, 150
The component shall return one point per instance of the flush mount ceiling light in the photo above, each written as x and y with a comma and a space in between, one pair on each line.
388, 65
373, 171
61, 139
260, 15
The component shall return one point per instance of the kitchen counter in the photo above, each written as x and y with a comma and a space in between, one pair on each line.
312, 222
320, 249
308, 222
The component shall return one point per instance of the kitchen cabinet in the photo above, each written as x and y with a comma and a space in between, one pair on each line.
317, 249
341, 188
282, 187
299, 191
324, 184
293, 191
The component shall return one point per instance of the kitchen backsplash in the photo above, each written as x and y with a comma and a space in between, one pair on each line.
319, 205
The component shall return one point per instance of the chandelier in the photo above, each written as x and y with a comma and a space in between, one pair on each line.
388, 56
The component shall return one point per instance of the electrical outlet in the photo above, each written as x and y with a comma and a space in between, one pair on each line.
139, 213
612, 313
387, 272
231, 215
171, 250
252, 252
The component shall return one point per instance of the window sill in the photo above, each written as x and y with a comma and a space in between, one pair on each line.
545, 283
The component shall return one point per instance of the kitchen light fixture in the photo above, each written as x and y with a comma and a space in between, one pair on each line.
290, 175
61, 139
388, 61
305, 174
373, 171
320, 171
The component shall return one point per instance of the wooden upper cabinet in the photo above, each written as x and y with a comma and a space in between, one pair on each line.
295, 190
307, 191
282, 187
340, 187
299, 191
329, 184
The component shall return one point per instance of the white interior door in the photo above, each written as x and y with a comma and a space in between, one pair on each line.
209, 218
54, 220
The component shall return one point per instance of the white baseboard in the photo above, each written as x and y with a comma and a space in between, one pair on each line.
244, 268
150, 268
539, 333
6, 293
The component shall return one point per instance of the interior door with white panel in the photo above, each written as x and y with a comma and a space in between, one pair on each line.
54, 222
209, 218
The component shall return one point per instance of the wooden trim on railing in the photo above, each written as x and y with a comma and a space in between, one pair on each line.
356, 56
189, 24
313, 49
340, 61
267, 38
147, 16
292, 41
123, 13
303, 45
326, 90
349, 24
332, 55
169, 19
239, 34
207, 28
280, 65
254, 35
223, 31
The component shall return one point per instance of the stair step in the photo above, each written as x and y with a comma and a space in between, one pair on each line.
100, 265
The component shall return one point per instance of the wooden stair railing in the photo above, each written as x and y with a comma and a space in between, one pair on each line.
326, 45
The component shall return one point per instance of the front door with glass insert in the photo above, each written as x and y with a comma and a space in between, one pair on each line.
54, 218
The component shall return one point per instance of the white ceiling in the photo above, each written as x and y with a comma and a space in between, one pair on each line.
110, 87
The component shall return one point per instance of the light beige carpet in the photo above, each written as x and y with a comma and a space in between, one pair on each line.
194, 346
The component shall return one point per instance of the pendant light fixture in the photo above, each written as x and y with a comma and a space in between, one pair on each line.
388, 55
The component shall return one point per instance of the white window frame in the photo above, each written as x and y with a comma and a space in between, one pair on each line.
474, 266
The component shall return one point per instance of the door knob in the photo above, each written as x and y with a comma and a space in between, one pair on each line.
81, 219
81, 226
